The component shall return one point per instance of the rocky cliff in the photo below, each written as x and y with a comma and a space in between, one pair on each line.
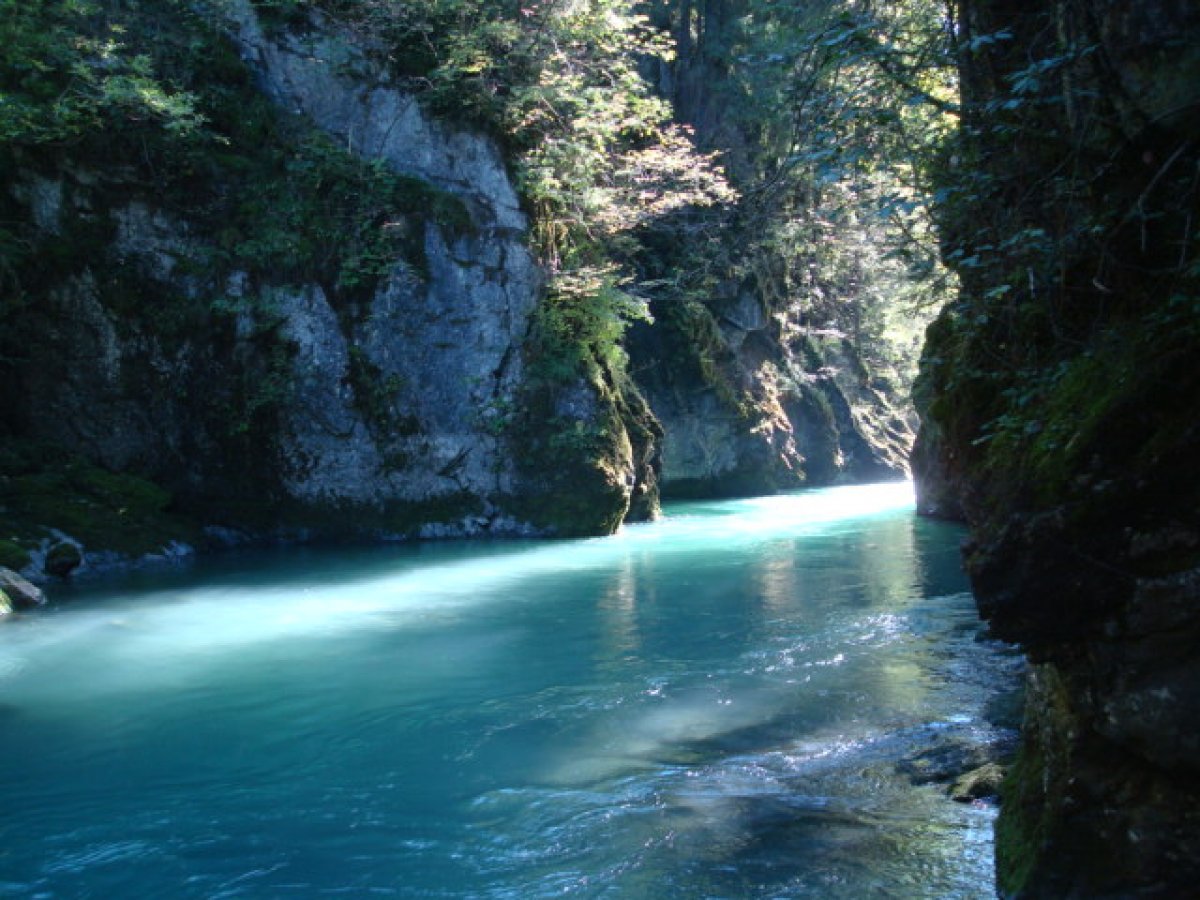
753, 366
313, 320
280, 297
1058, 398
753, 398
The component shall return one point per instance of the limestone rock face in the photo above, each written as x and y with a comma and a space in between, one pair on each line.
322, 75
285, 400
445, 350
751, 402
449, 348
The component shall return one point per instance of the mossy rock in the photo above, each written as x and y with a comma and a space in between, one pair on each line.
98, 508
62, 559
574, 487
13, 555
447, 509
978, 783
1023, 825
594, 508
6, 605
574, 478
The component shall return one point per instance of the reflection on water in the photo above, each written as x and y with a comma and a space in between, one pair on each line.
709, 706
618, 603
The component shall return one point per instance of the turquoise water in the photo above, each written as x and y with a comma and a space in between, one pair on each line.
712, 705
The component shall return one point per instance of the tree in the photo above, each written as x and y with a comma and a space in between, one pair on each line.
832, 116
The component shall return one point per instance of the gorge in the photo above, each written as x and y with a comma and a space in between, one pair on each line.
353, 283
285, 273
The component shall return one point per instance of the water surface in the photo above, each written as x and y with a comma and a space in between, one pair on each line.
712, 705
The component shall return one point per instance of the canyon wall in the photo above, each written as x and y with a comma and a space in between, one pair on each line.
317, 314
1059, 398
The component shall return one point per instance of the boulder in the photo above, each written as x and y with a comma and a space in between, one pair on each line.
978, 783
62, 559
19, 591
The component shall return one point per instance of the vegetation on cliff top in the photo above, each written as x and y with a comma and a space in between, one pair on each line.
831, 115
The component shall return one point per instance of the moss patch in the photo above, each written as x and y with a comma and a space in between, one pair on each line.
1024, 822
572, 444
575, 486
702, 346
13, 556
41, 488
448, 509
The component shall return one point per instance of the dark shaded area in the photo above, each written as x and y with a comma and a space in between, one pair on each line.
1059, 397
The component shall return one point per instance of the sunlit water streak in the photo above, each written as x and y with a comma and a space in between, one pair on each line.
712, 705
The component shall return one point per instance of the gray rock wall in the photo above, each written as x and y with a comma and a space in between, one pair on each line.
751, 403
275, 398
446, 348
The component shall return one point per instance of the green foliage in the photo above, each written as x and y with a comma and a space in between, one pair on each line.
871, 96
1019, 199
603, 158
315, 212
1069, 218
153, 85
580, 323
65, 71
263, 194
601, 163
596, 155
832, 114
69, 77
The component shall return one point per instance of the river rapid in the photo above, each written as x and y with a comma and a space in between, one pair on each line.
730, 702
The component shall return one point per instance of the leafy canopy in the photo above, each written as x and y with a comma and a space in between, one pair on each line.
65, 71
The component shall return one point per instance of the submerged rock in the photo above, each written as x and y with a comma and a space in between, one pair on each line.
978, 783
954, 753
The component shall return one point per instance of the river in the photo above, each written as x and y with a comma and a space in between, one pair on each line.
726, 703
